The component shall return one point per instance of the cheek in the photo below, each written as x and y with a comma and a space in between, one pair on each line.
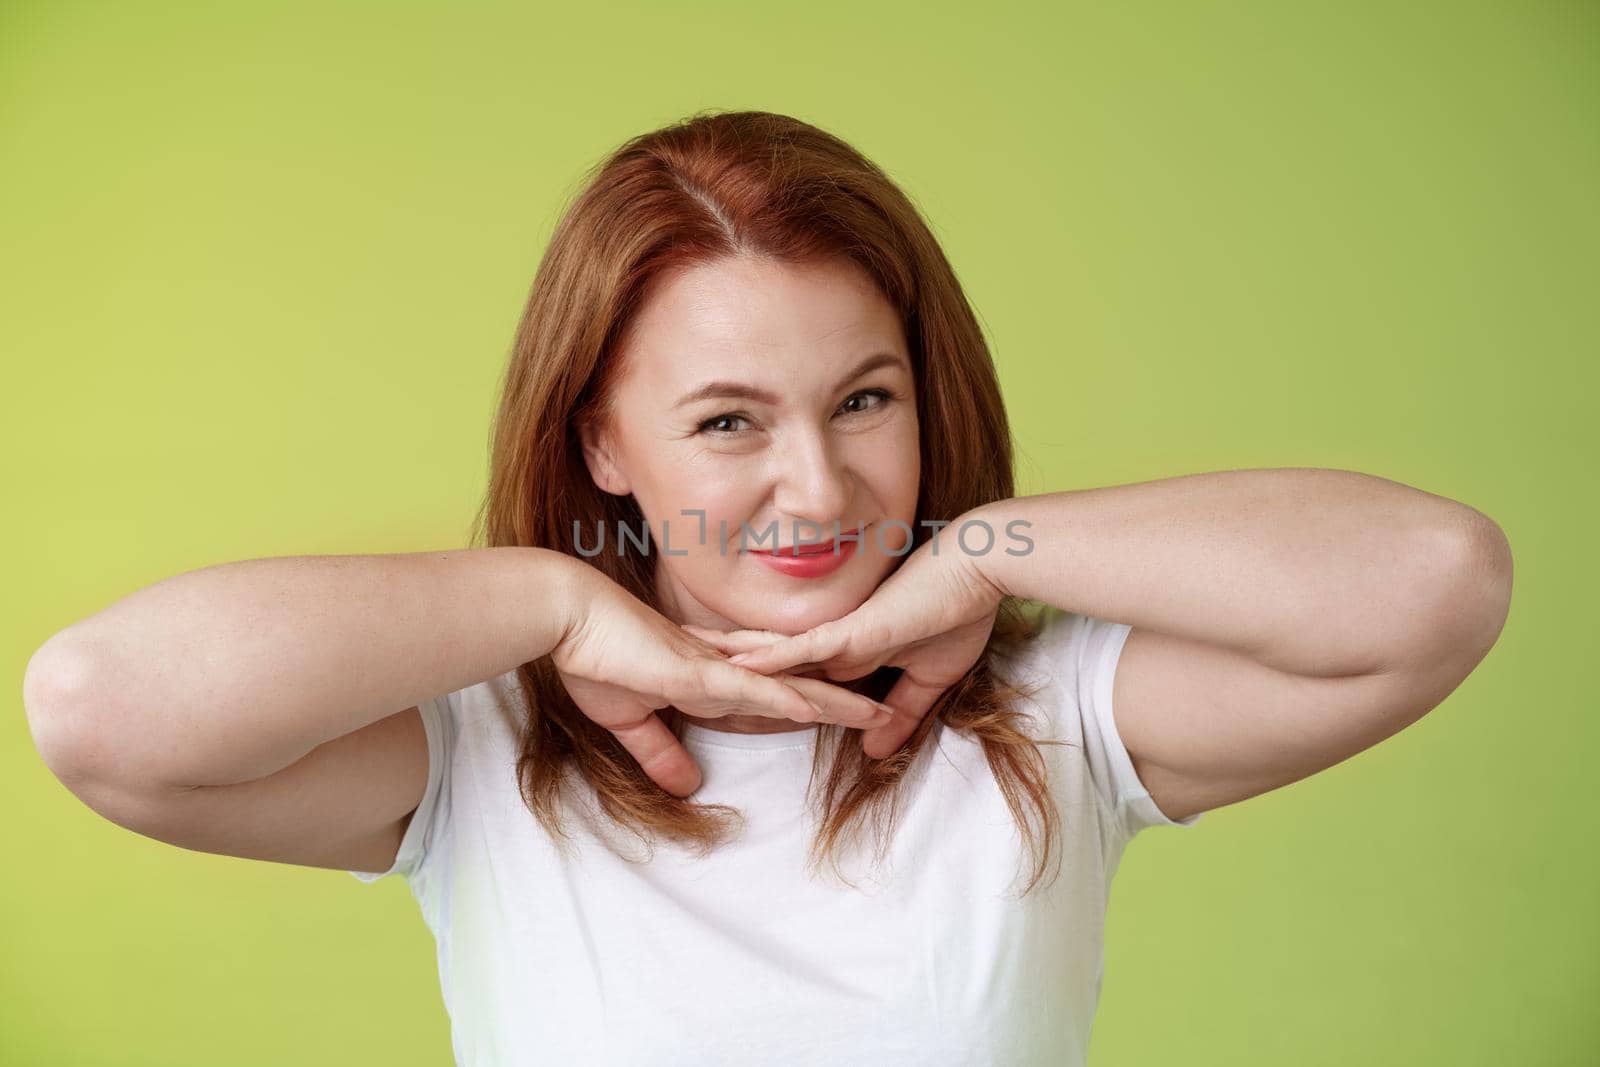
662, 493
725, 502
897, 467
911, 459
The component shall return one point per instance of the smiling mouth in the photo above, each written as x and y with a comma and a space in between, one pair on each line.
820, 548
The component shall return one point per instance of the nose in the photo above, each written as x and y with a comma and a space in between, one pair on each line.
814, 484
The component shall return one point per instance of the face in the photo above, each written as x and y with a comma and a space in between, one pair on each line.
772, 397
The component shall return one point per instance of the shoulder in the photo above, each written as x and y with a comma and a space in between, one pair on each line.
1071, 664
1063, 651
495, 702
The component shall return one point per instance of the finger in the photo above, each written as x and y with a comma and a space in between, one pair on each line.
733, 641
715, 687
815, 646
660, 755
843, 706
910, 701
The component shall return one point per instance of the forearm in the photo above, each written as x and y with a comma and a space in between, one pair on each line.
232, 672
1316, 572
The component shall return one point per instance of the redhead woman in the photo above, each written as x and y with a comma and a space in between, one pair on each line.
764, 722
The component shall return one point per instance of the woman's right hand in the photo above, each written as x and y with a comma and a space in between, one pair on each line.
620, 660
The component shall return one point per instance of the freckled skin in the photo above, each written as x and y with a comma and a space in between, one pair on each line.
832, 447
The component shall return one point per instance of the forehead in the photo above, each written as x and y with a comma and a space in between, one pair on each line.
731, 313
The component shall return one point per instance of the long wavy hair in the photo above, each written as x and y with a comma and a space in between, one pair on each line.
713, 185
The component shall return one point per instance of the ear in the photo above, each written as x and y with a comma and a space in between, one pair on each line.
599, 456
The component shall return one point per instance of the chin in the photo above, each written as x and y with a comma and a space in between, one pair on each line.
796, 615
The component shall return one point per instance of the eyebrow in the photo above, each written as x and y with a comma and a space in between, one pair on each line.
745, 391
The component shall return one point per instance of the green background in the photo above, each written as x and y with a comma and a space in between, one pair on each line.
260, 269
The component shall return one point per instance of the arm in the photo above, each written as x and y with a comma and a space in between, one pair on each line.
260, 708
1283, 619
232, 672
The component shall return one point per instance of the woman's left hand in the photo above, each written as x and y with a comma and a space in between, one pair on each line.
932, 617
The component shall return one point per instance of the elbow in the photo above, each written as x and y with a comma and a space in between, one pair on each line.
1489, 569
58, 689
1474, 595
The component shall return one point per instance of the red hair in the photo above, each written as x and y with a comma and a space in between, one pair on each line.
713, 185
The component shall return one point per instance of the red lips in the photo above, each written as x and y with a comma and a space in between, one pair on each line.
798, 550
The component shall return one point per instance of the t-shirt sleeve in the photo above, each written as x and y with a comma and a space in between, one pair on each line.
1093, 649
426, 823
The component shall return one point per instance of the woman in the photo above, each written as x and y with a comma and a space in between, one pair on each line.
754, 592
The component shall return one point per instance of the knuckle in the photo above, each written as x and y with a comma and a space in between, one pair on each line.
863, 640
703, 672
809, 712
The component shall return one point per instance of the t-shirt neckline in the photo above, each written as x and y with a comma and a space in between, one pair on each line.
695, 734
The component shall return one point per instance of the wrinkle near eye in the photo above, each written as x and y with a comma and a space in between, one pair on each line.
880, 396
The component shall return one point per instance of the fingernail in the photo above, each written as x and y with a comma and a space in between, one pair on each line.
740, 658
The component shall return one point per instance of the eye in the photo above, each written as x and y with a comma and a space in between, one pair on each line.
883, 396
711, 425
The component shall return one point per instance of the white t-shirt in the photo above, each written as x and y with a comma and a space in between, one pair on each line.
740, 957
